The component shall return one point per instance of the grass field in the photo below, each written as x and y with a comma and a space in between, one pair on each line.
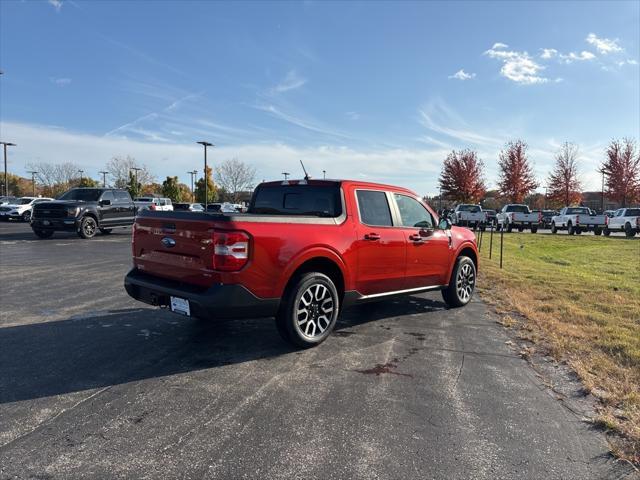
581, 300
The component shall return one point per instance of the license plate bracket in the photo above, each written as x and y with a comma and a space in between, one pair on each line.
180, 306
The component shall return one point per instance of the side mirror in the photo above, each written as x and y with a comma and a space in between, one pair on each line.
104, 203
426, 232
445, 224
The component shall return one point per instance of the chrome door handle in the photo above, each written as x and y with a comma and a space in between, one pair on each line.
372, 236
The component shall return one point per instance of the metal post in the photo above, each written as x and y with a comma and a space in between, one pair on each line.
501, 243
602, 193
324, 174
80, 172
33, 182
104, 178
480, 241
491, 241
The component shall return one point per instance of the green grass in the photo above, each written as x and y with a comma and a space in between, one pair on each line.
581, 298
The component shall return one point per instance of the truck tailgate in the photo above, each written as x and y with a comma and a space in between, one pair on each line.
175, 248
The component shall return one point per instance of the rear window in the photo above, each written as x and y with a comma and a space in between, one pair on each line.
469, 208
633, 212
316, 200
518, 208
577, 210
181, 206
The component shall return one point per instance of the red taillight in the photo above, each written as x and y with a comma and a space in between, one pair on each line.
606, 219
230, 250
152, 207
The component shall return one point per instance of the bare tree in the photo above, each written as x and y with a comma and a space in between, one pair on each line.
119, 168
55, 177
235, 177
564, 184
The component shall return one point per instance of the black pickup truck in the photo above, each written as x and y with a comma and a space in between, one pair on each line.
85, 211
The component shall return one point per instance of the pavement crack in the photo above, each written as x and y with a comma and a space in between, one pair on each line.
455, 384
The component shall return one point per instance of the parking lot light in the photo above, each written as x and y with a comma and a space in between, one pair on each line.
33, 181
6, 184
206, 196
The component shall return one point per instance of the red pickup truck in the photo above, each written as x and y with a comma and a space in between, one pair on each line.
304, 250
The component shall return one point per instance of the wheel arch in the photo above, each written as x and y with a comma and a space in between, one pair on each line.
318, 261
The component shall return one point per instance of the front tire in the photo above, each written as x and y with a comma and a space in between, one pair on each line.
43, 233
606, 232
554, 229
26, 216
461, 284
309, 310
570, 229
88, 227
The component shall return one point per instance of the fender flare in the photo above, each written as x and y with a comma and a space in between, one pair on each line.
311, 253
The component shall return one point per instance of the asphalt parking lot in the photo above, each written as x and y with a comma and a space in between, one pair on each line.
93, 384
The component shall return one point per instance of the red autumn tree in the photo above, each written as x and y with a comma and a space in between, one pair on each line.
517, 179
622, 171
461, 178
564, 185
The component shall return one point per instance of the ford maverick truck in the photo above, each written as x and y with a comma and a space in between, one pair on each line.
302, 252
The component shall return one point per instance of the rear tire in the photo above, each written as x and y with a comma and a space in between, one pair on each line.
461, 284
88, 227
628, 231
554, 229
578, 230
570, 229
26, 216
43, 233
597, 231
309, 310
534, 229
509, 228
606, 232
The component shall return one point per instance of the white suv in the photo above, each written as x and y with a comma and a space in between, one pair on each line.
21, 209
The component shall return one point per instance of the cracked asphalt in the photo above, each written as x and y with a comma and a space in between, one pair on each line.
95, 385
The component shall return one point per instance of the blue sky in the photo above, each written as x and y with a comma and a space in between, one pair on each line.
377, 91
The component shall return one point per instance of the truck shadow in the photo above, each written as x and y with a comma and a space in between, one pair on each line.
58, 357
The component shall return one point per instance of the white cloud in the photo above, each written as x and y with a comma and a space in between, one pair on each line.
517, 66
299, 122
462, 75
603, 45
291, 81
353, 115
548, 53
499, 45
57, 4
414, 168
60, 82
577, 57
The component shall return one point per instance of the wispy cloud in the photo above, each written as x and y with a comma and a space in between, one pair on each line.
462, 75
57, 4
517, 66
291, 81
604, 46
353, 115
577, 57
60, 82
299, 122
548, 53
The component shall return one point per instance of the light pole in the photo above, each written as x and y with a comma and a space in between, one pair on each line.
135, 169
286, 175
6, 184
193, 174
205, 176
80, 172
33, 181
104, 178
324, 174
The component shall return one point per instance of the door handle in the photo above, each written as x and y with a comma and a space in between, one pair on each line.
372, 236
415, 238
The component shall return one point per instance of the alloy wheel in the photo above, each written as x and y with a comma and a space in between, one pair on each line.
465, 282
314, 311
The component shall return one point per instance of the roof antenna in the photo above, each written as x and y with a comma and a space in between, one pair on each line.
306, 175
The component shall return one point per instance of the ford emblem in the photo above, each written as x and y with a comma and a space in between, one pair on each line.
168, 242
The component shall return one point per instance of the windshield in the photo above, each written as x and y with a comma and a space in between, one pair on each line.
469, 208
82, 194
24, 201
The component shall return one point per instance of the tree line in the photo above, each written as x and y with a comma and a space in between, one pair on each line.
233, 178
462, 178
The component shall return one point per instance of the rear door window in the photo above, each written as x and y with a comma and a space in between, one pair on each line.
374, 208
108, 195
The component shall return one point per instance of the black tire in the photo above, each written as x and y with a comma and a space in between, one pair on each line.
597, 231
88, 227
554, 229
578, 230
570, 229
509, 228
307, 288
42, 233
628, 231
106, 231
534, 229
606, 232
26, 216
464, 272
520, 229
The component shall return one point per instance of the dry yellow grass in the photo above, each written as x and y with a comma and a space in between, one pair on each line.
581, 299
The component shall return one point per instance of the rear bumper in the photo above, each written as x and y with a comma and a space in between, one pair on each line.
217, 301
